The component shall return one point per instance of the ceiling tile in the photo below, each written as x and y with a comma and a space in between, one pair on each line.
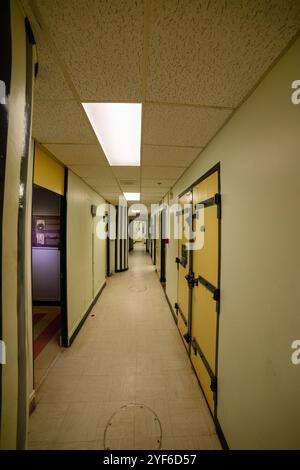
101, 43
161, 172
130, 188
61, 122
214, 53
50, 83
111, 196
152, 195
78, 154
154, 155
96, 172
100, 185
181, 125
150, 183
127, 172
151, 200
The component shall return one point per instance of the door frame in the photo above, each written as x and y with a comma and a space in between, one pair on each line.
64, 338
63, 267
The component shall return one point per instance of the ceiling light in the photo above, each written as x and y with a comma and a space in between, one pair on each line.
118, 129
132, 196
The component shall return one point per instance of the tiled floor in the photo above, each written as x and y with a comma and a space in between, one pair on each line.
129, 352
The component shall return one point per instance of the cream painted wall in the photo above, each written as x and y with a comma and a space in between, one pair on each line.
260, 296
15, 149
83, 281
28, 253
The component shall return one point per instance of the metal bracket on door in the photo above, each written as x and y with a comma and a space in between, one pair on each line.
181, 314
214, 290
212, 201
213, 378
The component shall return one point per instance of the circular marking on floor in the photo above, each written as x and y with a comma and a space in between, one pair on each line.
133, 426
137, 288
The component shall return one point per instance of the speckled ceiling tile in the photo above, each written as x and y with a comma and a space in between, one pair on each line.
61, 122
50, 83
78, 154
101, 43
181, 125
214, 52
151, 183
154, 155
105, 184
161, 172
99, 172
127, 172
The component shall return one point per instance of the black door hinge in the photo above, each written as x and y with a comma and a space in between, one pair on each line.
218, 200
176, 306
192, 281
216, 295
187, 338
213, 384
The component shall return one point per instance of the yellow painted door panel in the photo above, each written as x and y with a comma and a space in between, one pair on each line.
204, 323
205, 265
205, 260
206, 189
204, 378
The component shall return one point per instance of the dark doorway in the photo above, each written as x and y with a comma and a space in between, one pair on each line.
163, 246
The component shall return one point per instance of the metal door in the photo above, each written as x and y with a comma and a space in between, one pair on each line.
205, 291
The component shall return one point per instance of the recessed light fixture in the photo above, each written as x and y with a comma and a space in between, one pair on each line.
118, 129
132, 196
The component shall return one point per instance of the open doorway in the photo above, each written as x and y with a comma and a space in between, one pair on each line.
48, 293
139, 234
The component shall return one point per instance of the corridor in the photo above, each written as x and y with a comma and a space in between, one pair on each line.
128, 351
149, 186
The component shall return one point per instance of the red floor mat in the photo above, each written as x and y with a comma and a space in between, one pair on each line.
43, 339
37, 317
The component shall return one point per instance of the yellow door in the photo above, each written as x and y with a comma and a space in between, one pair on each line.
183, 260
205, 293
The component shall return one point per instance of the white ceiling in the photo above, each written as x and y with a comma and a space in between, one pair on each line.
190, 63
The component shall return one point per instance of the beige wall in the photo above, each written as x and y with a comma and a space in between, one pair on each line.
15, 149
83, 281
28, 252
260, 297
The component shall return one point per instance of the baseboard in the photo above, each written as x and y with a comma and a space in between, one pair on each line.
121, 270
221, 436
80, 324
170, 305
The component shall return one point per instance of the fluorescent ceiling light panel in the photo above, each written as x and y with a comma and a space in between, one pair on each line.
132, 196
118, 129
